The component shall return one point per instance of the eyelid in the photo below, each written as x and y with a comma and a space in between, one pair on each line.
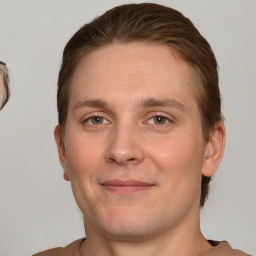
89, 120
160, 127
168, 119
165, 115
88, 116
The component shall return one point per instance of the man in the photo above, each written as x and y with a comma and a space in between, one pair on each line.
140, 133
4, 85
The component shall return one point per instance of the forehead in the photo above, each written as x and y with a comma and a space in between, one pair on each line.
130, 69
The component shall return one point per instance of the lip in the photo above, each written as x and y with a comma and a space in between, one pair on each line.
126, 186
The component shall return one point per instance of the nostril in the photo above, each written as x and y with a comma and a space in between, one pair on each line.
112, 159
121, 161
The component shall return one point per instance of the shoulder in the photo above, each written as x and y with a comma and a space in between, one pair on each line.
55, 251
70, 250
223, 249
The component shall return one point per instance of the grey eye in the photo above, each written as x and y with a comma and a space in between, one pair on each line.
97, 120
160, 120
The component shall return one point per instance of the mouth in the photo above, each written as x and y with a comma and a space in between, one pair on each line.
125, 187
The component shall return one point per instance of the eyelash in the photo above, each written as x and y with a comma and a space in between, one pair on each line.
89, 121
166, 120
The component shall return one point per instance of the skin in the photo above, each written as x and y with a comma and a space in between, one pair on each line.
133, 116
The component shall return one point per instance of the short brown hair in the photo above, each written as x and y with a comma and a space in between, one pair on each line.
152, 23
5, 74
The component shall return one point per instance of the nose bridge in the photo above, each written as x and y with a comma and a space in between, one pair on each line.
124, 145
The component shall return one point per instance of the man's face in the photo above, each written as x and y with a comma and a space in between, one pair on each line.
134, 149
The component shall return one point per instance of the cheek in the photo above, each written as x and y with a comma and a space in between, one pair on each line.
180, 162
83, 154
179, 158
84, 161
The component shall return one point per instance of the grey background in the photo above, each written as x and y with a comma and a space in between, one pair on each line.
37, 209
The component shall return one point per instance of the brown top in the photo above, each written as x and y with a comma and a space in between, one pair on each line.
72, 249
218, 249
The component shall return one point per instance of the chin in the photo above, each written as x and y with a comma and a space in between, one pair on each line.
128, 232
128, 226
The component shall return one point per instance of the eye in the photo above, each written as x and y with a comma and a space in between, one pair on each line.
159, 120
96, 120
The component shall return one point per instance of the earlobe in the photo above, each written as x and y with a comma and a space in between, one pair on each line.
61, 152
214, 150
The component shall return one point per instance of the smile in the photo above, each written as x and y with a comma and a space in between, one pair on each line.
125, 187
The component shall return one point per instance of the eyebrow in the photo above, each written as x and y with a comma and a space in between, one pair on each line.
145, 103
154, 102
96, 103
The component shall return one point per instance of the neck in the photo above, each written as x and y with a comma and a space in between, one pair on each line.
184, 240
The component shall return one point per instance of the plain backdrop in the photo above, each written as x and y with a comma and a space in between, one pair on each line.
37, 209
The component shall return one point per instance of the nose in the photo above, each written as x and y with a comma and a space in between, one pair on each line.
125, 147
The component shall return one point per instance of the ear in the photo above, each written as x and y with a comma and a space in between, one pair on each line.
214, 150
61, 152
